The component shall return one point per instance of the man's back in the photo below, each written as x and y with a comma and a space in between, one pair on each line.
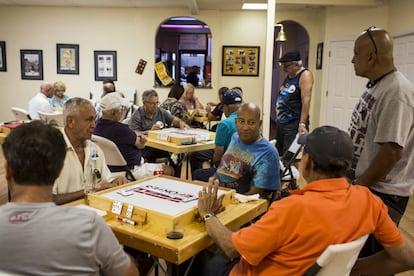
297, 229
51, 240
39, 103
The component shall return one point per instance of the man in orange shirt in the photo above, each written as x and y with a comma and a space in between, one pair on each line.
295, 231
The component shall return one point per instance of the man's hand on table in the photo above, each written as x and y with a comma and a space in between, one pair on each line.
208, 202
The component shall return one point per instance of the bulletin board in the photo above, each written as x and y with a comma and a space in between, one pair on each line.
240, 61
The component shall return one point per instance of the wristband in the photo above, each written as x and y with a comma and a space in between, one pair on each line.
302, 124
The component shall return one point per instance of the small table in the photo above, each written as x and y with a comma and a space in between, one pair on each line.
181, 149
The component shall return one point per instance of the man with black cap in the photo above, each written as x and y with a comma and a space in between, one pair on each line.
295, 231
293, 101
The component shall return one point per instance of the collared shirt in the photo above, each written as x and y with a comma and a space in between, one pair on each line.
74, 177
39, 103
295, 231
140, 121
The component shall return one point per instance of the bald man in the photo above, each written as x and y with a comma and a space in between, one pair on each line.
250, 164
382, 124
40, 102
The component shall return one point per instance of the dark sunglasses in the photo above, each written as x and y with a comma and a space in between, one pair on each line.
368, 31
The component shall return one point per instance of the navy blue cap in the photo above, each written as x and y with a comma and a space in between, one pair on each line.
232, 97
293, 55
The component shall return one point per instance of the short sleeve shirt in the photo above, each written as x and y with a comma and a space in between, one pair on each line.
140, 121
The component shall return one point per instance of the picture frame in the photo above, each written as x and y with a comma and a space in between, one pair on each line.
240, 61
319, 55
105, 65
3, 62
31, 64
67, 59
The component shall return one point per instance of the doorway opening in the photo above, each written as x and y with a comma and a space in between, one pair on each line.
297, 38
183, 47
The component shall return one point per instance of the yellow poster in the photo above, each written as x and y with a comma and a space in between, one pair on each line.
162, 73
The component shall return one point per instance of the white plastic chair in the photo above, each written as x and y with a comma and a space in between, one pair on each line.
112, 154
20, 114
51, 118
338, 259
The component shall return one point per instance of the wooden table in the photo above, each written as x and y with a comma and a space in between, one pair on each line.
181, 150
152, 239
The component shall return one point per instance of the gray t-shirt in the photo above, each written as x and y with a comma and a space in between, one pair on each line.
139, 121
385, 113
45, 239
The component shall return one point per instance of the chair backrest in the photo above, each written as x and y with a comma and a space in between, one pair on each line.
51, 118
20, 114
338, 259
112, 154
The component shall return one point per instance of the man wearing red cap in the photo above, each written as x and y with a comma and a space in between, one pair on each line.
293, 101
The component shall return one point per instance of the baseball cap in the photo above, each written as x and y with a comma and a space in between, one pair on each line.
112, 101
293, 55
328, 144
231, 97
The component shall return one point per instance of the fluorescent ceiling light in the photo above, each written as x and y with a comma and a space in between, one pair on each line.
254, 6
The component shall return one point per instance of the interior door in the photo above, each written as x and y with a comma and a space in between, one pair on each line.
343, 87
404, 55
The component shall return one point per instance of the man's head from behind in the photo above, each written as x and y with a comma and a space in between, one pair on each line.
114, 107
108, 87
35, 153
248, 123
330, 149
231, 101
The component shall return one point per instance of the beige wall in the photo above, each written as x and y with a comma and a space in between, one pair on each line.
131, 32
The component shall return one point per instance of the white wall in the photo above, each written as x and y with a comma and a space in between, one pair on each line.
131, 32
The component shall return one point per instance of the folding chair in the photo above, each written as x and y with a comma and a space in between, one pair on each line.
51, 118
337, 259
112, 154
20, 114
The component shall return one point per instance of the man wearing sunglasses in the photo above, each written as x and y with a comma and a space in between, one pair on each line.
293, 102
382, 125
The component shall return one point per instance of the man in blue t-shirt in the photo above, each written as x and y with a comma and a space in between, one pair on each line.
250, 164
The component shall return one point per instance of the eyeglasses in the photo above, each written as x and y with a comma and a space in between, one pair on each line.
153, 103
368, 31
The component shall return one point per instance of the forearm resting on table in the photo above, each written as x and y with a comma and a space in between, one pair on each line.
381, 165
68, 197
221, 236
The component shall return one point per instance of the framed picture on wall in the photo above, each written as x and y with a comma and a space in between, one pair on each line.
31, 63
105, 65
319, 55
67, 58
3, 63
240, 61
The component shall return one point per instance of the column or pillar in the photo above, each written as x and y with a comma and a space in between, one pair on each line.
267, 87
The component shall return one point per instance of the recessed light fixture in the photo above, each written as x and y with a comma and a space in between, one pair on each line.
254, 6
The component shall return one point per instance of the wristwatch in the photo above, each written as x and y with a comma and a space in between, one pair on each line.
206, 217
302, 124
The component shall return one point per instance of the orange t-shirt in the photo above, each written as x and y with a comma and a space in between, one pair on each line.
295, 231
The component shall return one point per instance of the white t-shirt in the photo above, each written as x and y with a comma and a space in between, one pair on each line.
39, 103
